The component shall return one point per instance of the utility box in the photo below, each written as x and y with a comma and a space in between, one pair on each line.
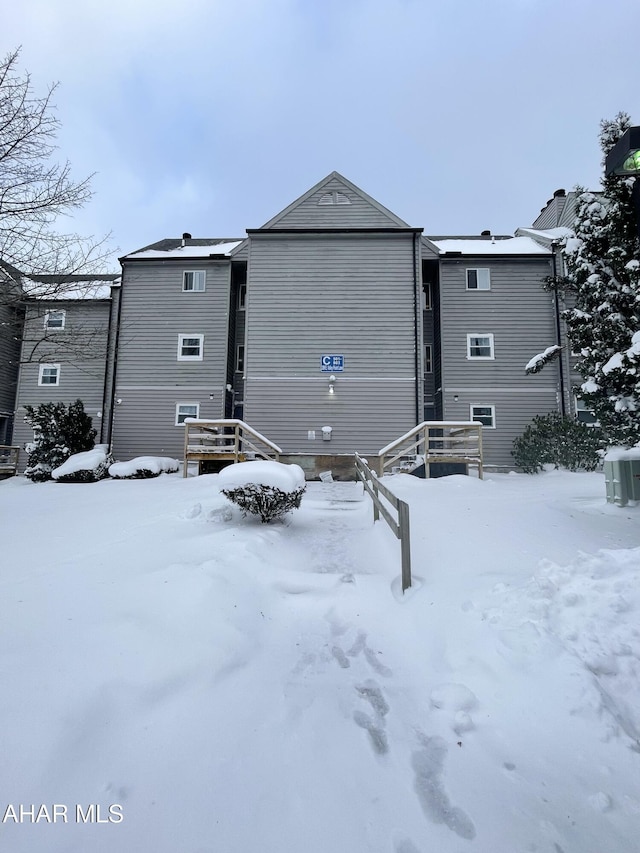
326, 433
622, 481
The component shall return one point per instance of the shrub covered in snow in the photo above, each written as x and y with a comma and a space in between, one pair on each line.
60, 431
267, 489
555, 440
87, 467
143, 467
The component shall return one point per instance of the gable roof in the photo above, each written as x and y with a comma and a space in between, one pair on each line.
335, 202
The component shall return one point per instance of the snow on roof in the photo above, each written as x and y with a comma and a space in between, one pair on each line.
511, 246
546, 234
203, 251
55, 288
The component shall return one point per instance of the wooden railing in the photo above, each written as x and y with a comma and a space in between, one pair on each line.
436, 441
399, 526
9, 458
226, 439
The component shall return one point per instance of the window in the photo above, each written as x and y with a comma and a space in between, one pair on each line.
583, 414
54, 319
485, 414
480, 346
49, 374
426, 295
186, 410
478, 279
190, 347
428, 359
242, 297
194, 280
240, 358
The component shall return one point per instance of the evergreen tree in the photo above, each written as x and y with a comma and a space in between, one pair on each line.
603, 271
60, 431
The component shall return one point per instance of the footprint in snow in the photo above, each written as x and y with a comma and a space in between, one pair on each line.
428, 766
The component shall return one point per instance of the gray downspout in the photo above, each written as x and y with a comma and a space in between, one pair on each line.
116, 346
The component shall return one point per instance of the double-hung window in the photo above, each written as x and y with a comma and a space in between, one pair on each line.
480, 346
485, 414
49, 374
55, 319
240, 358
186, 410
190, 347
478, 279
194, 280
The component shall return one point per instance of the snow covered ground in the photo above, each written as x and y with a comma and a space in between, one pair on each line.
231, 687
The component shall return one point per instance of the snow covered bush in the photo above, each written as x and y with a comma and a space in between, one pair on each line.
143, 468
87, 467
559, 441
267, 489
59, 432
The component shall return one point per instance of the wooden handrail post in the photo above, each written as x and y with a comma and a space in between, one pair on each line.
405, 543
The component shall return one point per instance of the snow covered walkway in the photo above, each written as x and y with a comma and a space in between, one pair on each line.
238, 687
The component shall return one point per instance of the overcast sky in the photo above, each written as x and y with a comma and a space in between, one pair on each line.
210, 116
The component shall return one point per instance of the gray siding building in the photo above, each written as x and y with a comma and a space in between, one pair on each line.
334, 327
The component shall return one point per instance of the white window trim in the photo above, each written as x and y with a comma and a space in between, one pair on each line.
55, 311
186, 289
425, 292
41, 370
242, 303
181, 339
192, 403
480, 357
483, 406
430, 348
239, 347
477, 270
583, 408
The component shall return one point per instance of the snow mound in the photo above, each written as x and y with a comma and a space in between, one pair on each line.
277, 475
143, 466
92, 461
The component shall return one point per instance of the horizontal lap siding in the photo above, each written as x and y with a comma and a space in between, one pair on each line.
144, 421
513, 412
361, 213
149, 377
519, 313
364, 415
82, 380
351, 296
